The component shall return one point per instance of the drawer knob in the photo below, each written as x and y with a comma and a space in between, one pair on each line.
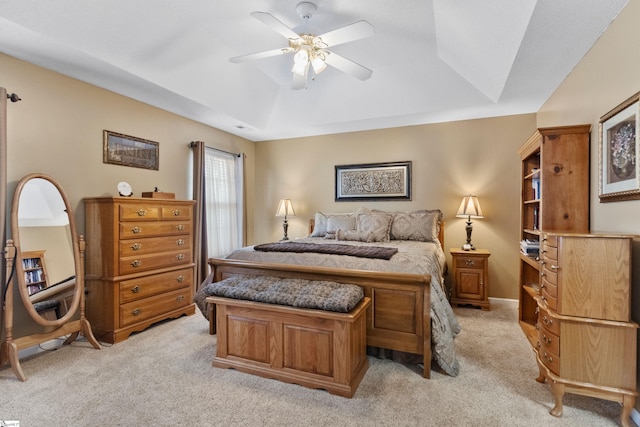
180, 279
136, 263
547, 321
546, 339
136, 311
176, 212
135, 289
136, 246
136, 230
469, 262
180, 298
180, 257
180, 227
141, 212
180, 242
555, 267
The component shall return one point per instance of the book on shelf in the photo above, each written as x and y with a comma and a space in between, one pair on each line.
530, 247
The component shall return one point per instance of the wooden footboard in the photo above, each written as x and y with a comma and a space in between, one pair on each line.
398, 317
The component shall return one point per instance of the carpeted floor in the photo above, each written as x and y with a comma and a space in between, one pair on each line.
163, 377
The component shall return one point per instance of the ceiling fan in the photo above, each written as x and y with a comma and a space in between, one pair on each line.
311, 52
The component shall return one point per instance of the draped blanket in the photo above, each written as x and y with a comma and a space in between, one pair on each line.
377, 252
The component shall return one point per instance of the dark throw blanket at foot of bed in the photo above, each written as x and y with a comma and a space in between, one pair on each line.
377, 252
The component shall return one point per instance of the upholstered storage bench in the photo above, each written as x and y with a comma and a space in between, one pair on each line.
291, 335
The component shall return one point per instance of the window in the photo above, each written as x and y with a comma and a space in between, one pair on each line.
223, 173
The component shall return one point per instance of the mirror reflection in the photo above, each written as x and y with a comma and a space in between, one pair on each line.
46, 247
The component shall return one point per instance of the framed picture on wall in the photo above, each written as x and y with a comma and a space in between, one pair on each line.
373, 181
128, 150
619, 174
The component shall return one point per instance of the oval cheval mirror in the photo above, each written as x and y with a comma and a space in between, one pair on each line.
48, 268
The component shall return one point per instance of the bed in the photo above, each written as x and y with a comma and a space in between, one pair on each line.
409, 314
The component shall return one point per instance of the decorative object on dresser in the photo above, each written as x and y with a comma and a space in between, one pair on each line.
470, 277
285, 208
586, 340
469, 208
619, 149
140, 264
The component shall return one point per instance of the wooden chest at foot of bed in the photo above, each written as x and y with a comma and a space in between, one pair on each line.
312, 348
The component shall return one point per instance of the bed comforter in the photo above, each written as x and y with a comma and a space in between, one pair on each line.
412, 257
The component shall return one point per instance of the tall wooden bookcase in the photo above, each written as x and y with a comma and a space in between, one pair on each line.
556, 161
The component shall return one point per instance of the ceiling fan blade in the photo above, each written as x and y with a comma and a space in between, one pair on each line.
275, 24
259, 55
347, 66
356, 31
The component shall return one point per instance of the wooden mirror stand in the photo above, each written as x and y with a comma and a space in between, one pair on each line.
25, 322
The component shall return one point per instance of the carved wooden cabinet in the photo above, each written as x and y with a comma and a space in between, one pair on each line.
586, 339
470, 277
140, 267
554, 197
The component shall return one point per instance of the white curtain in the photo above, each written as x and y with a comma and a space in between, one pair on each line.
224, 182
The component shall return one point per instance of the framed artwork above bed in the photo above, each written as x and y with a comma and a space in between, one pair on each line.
373, 181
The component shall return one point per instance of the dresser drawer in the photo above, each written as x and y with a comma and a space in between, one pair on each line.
550, 360
470, 262
551, 302
135, 264
143, 287
137, 212
140, 229
144, 309
549, 322
549, 252
154, 245
549, 240
549, 342
550, 288
180, 212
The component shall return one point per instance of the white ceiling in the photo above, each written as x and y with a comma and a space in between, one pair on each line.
432, 60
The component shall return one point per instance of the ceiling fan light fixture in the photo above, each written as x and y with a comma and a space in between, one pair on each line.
300, 62
318, 64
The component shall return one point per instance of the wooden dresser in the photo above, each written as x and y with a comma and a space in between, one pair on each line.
586, 339
139, 263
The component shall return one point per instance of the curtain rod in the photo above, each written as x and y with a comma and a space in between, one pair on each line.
192, 144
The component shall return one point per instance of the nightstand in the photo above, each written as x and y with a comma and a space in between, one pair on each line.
470, 277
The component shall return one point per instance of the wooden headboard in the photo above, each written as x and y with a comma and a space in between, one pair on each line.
312, 223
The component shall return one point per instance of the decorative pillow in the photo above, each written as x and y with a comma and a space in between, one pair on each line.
354, 235
422, 225
341, 221
320, 225
375, 224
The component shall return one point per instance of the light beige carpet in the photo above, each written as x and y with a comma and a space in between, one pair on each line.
163, 377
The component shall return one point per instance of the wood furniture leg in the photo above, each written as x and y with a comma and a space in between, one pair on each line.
628, 402
557, 389
12, 350
541, 377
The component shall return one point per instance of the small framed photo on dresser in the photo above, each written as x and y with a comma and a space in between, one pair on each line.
619, 150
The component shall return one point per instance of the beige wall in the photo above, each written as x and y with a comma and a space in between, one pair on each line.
57, 130
449, 161
607, 76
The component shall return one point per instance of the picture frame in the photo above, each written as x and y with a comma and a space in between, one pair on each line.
125, 150
619, 151
373, 181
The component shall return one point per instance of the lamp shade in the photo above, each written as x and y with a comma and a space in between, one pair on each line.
470, 208
285, 208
